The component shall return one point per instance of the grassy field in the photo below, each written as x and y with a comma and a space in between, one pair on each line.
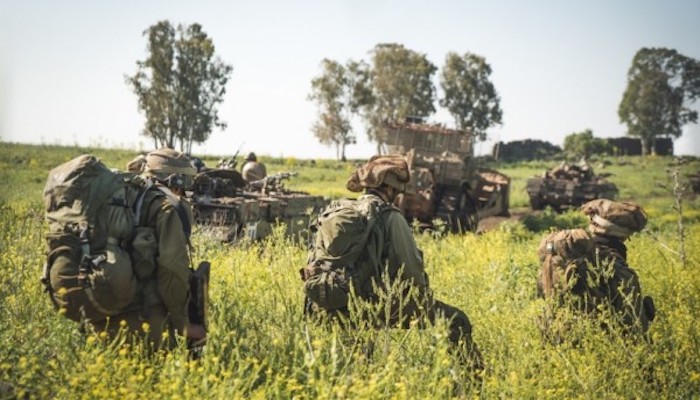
261, 346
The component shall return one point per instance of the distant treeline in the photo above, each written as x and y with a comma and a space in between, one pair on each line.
533, 149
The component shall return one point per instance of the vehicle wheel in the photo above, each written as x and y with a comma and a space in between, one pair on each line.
467, 213
536, 203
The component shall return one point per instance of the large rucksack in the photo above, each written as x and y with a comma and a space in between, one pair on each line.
564, 256
92, 215
340, 235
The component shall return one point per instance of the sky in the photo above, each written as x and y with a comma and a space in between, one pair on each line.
559, 67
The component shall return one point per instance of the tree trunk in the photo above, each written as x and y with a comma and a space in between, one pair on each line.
342, 152
645, 146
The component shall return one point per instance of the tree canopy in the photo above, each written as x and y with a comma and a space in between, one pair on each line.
584, 144
398, 84
661, 84
524, 150
468, 94
395, 84
179, 85
332, 92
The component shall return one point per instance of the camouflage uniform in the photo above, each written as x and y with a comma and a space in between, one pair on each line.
606, 279
163, 273
391, 243
252, 170
391, 251
619, 285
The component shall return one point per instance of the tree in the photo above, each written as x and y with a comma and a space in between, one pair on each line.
398, 84
179, 85
583, 144
661, 84
524, 150
332, 93
469, 95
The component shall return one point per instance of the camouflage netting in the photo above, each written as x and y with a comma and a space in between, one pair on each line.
137, 165
391, 170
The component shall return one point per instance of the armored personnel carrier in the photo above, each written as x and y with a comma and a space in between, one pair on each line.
568, 185
231, 209
446, 183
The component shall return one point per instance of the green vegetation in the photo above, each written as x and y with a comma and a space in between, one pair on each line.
261, 346
662, 85
180, 85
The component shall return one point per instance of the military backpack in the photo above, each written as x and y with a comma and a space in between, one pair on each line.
564, 256
339, 237
96, 250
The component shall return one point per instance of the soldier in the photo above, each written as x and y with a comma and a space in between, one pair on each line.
197, 164
161, 257
253, 170
611, 223
592, 266
391, 251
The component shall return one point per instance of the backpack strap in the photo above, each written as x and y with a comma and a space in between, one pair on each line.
172, 199
175, 202
138, 204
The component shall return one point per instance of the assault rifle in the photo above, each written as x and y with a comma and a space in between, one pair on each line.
271, 182
198, 305
230, 163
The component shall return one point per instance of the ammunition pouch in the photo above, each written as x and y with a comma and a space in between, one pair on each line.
327, 287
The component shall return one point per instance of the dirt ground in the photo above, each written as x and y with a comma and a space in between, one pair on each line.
490, 223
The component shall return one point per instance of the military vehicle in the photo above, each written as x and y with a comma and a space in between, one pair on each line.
568, 185
232, 209
694, 181
446, 183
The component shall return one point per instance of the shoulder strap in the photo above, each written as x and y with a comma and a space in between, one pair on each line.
175, 202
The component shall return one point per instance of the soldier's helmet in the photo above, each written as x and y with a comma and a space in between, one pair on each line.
611, 218
391, 170
137, 165
251, 157
169, 167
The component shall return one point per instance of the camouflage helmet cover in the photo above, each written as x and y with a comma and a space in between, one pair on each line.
169, 166
391, 170
251, 157
137, 165
610, 218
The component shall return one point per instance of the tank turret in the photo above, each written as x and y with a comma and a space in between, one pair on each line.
568, 185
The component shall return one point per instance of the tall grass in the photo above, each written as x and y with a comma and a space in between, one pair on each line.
261, 345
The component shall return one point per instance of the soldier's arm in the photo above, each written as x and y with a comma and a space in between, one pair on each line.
403, 250
173, 265
628, 296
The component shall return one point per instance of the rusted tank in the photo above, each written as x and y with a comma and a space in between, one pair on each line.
568, 185
231, 209
446, 183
